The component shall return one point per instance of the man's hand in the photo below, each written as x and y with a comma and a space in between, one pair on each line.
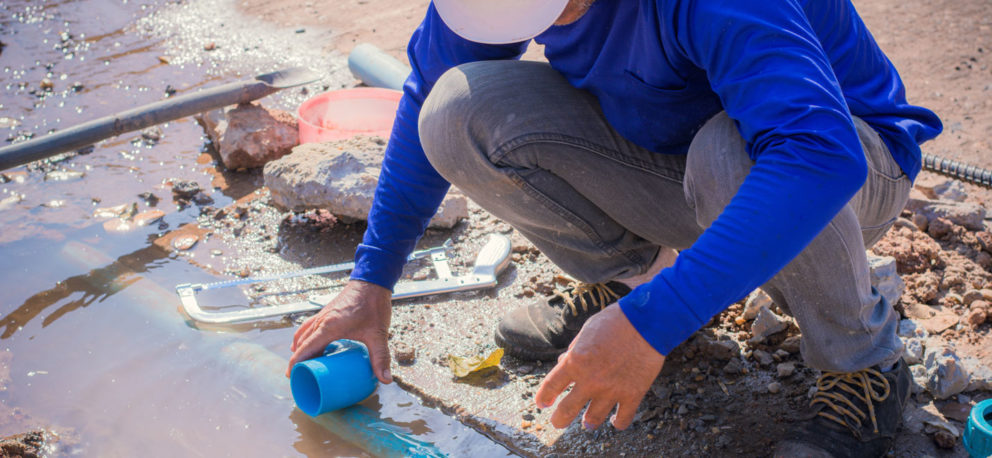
361, 311
610, 364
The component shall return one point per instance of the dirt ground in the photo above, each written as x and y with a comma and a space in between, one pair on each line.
706, 402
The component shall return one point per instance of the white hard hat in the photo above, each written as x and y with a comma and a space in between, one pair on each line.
499, 21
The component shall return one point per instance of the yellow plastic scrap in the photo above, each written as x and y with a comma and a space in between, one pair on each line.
461, 366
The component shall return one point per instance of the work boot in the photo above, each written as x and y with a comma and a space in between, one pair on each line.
855, 414
545, 328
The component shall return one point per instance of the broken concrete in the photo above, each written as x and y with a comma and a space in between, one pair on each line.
767, 323
249, 135
967, 214
341, 177
946, 374
885, 278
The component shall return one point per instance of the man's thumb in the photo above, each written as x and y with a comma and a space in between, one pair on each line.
379, 355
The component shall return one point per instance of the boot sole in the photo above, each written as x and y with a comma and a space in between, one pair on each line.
525, 353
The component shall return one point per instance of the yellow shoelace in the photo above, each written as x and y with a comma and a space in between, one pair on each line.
868, 386
600, 296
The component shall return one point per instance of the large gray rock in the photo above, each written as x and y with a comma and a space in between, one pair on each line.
946, 374
249, 135
885, 279
341, 177
967, 214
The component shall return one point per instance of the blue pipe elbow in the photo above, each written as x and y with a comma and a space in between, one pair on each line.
340, 377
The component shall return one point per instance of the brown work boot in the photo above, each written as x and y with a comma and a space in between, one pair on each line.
544, 329
856, 414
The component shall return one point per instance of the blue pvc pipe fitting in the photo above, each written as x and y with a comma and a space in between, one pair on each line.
341, 377
978, 431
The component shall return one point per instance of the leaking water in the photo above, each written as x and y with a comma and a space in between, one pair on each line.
90, 332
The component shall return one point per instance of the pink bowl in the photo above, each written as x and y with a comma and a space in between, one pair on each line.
344, 113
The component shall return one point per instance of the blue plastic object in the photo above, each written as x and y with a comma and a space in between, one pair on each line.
978, 431
341, 377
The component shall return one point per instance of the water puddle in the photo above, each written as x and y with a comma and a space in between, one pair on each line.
96, 348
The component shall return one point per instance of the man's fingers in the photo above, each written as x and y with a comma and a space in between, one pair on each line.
596, 413
379, 356
554, 383
302, 333
569, 407
625, 414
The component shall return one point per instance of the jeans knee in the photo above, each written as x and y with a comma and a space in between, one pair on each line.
716, 166
442, 123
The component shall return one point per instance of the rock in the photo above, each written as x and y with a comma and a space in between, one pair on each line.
914, 351
885, 278
64, 175
920, 221
976, 317
147, 217
733, 367
944, 439
939, 228
46, 84
249, 135
980, 375
722, 350
341, 177
785, 369
972, 295
911, 328
404, 354
933, 319
755, 302
185, 242
791, 344
946, 375
766, 324
27, 445
979, 304
762, 357
967, 214
774, 387
919, 374
915, 252
951, 190
152, 135
185, 190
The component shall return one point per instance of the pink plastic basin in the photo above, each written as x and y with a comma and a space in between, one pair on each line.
344, 113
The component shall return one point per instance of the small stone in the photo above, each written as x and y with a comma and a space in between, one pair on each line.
976, 317
404, 354
683, 410
785, 369
733, 367
914, 351
979, 304
47, 85
525, 369
152, 134
920, 221
147, 217
766, 324
944, 439
791, 344
216, 252
526, 424
755, 302
209, 46
762, 357
185, 242
971, 295
722, 350
184, 189
910, 328
774, 387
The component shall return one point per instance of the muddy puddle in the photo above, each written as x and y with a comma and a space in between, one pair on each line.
93, 346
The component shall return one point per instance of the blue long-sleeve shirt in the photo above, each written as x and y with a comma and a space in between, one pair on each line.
790, 74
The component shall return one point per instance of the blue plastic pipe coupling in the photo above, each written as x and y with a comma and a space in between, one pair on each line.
978, 431
339, 378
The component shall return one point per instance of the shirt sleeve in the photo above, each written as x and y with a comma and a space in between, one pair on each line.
409, 190
774, 79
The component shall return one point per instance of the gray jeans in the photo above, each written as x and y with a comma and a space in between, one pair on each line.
531, 149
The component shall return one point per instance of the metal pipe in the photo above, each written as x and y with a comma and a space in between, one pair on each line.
149, 115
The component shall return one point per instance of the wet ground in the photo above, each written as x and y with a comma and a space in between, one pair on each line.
93, 347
